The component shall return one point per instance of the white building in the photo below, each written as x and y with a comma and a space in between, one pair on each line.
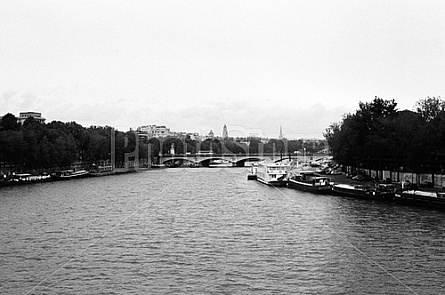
155, 130
25, 115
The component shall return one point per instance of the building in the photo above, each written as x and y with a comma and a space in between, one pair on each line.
155, 130
37, 116
225, 133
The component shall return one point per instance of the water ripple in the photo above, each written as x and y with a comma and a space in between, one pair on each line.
211, 232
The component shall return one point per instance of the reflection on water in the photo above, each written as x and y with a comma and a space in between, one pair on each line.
210, 231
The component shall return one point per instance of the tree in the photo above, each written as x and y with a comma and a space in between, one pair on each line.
430, 108
12, 147
9, 122
338, 137
230, 146
357, 139
429, 148
176, 143
378, 108
191, 144
255, 145
211, 144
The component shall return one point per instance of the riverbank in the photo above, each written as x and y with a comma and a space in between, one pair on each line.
402, 193
343, 179
30, 178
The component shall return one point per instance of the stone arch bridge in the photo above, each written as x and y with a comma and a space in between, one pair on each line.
237, 160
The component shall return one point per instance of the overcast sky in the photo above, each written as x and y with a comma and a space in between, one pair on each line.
197, 65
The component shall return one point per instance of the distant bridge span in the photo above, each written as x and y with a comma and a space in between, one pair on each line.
236, 160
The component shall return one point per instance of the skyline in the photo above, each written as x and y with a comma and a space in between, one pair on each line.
197, 65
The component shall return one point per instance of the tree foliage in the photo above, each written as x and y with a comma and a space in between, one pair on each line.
56, 144
430, 108
380, 136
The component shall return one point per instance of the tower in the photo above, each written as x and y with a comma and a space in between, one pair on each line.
281, 133
225, 133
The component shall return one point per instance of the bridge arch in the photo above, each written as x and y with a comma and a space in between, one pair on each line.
242, 161
211, 144
238, 160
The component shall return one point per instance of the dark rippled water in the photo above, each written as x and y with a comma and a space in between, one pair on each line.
210, 231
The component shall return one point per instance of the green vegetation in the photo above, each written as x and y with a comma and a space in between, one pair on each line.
249, 145
46, 147
378, 136
34, 145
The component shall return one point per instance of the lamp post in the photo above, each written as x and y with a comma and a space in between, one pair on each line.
304, 155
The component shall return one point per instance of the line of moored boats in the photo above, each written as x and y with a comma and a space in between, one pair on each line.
24, 178
284, 174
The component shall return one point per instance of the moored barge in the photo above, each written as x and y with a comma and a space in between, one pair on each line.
310, 181
434, 199
274, 174
69, 174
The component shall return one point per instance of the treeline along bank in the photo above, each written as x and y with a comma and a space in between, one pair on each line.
380, 137
38, 146
376, 137
45, 147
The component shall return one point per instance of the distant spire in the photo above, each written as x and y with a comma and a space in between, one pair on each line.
225, 133
281, 133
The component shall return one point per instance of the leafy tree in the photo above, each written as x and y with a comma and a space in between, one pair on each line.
231, 146
191, 144
155, 146
276, 146
339, 137
176, 143
9, 122
428, 150
211, 144
357, 140
12, 147
255, 145
430, 108
58, 144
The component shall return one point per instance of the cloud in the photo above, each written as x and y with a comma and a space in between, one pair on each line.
13, 101
7, 95
244, 118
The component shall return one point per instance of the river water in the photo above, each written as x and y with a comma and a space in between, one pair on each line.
210, 231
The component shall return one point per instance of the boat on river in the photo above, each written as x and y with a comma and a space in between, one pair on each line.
272, 173
382, 192
23, 178
356, 191
310, 181
386, 191
101, 170
157, 166
434, 199
219, 163
70, 174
